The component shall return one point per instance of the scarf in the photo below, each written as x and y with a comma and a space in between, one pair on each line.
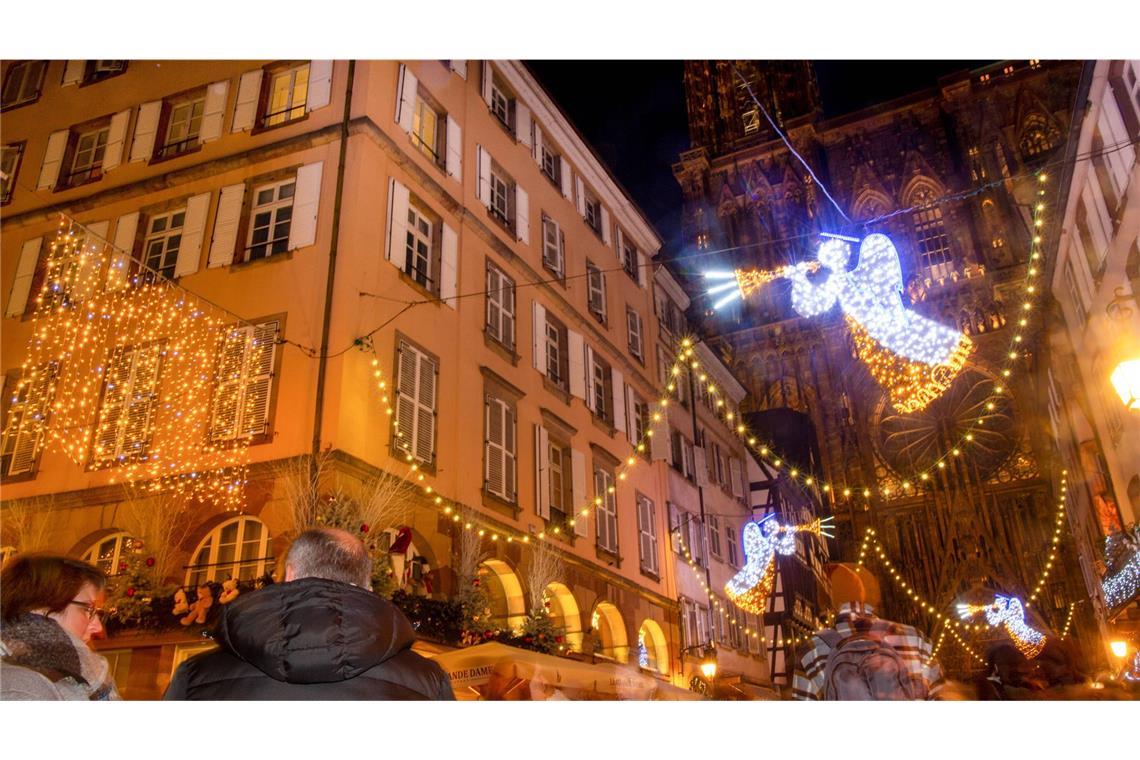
41, 644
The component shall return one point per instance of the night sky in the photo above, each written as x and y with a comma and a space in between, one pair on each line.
633, 114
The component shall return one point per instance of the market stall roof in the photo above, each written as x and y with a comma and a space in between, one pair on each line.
473, 669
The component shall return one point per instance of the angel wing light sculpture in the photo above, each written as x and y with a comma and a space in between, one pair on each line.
750, 588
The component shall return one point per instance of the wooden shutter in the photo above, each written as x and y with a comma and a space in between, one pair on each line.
580, 496
459, 67
258, 379
142, 401
73, 72
214, 111
116, 137
631, 414
86, 280
397, 224
226, 226
415, 407
542, 471
522, 215
737, 477
406, 98
485, 81
425, 412
320, 85
306, 204
618, 391
25, 273
576, 353
633, 327
523, 124
53, 160
620, 245
126, 229
249, 92
700, 464
538, 336
588, 375
22, 443
580, 196
483, 168
564, 172
228, 383
454, 160
449, 261
146, 129
494, 315
659, 448
642, 270
495, 449
606, 227
193, 233
536, 143
647, 527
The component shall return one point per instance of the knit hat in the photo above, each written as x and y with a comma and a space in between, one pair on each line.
846, 585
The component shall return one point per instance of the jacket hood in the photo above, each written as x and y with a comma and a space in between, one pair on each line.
313, 630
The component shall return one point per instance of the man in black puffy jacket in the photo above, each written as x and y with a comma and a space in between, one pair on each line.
321, 635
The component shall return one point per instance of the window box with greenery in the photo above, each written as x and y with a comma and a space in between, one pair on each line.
23, 82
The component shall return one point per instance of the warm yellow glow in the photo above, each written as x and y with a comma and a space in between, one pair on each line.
1119, 648
1126, 381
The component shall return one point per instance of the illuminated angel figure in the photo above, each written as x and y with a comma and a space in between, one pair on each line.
1008, 612
761, 540
912, 357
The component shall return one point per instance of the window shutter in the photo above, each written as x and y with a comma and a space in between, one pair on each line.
226, 226
619, 399
459, 67
483, 167
485, 81
116, 136
454, 149
642, 270
73, 72
620, 246
53, 159
588, 373
228, 383
630, 414
406, 98
542, 471
580, 197
406, 389
320, 85
493, 456
522, 215
126, 229
397, 224
25, 272
258, 379
701, 465
249, 91
146, 127
576, 354
425, 414
633, 327
306, 204
26, 442
213, 113
564, 172
510, 453
86, 282
523, 124
737, 478
538, 336
536, 144
494, 316
193, 232
579, 497
449, 260
659, 441
606, 227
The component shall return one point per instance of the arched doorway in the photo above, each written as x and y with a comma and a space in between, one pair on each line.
652, 649
564, 612
504, 593
609, 630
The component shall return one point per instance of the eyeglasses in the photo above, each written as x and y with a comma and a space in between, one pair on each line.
91, 610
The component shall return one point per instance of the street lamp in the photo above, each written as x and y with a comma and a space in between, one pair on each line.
708, 662
1119, 648
1126, 381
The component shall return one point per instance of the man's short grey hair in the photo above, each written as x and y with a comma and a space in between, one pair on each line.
332, 554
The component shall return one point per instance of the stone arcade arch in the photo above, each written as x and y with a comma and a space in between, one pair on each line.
564, 612
609, 630
651, 641
505, 593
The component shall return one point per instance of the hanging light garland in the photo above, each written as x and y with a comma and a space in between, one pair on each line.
1068, 621
1007, 611
1121, 584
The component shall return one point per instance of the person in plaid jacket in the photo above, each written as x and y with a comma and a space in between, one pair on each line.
920, 676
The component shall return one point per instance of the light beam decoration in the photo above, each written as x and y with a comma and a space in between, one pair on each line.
1121, 581
915, 359
750, 588
1008, 612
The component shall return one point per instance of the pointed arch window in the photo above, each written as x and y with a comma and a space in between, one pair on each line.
1037, 136
931, 242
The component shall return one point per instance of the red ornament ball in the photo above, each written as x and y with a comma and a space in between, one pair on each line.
131, 591
364, 528
150, 561
558, 639
123, 565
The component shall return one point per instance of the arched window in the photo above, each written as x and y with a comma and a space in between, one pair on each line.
110, 553
1037, 136
609, 632
652, 651
238, 548
930, 235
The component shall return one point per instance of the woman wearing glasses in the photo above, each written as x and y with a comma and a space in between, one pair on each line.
49, 610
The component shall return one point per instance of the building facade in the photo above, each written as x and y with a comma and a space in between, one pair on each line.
949, 175
427, 275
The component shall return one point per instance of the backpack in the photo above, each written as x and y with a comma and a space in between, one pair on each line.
863, 666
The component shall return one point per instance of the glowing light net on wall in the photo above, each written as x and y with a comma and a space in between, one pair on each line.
749, 589
1008, 612
913, 358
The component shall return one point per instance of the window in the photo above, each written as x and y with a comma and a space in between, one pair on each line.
638, 419
130, 399
238, 549
1075, 296
500, 450
606, 512
694, 621
110, 554
751, 119
415, 402
682, 455
593, 214
551, 164
731, 545
502, 104
22, 83
647, 534
600, 387
557, 352
636, 344
596, 291
24, 429
270, 220
285, 95
422, 261
163, 239
977, 165
930, 234
561, 503
553, 246
183, 125
244, 382
714, 534
629, 257
88, 148
502, 196
426, 132
9, 167
1037, 136
500, 306
97, 71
